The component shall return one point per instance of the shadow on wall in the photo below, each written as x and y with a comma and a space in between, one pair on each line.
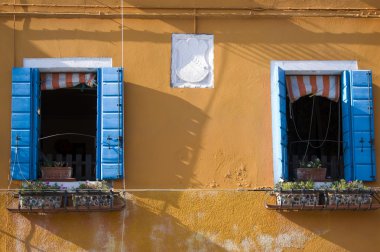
137, 228
166, 117
258, 41
351, 230
165, 132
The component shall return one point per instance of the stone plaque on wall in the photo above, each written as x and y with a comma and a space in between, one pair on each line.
192, 61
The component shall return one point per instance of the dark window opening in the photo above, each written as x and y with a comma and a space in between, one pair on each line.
315, 131
68, 129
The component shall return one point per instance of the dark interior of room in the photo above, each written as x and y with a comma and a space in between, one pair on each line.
330, 152
68, 128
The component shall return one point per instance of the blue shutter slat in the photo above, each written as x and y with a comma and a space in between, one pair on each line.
23, 119
110, 124
284, 135
346, 125
358, 126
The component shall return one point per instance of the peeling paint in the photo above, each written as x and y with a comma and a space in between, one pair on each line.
247, 244
291, 239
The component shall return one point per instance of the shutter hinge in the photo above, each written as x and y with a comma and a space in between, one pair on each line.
121, 141
371, 141
109, 138
362, 142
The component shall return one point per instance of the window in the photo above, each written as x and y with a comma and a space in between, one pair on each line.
356, 115
314, 128
26, 123
192, 61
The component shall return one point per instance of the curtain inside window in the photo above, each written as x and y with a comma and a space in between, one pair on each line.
321, 85
52, 81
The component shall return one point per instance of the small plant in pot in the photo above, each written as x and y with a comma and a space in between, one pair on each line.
55, 170
344, 192
296, 194
311, 170
39, 194
93, 194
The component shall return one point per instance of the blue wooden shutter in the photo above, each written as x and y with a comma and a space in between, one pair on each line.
279, 127
346, 125
362, 126
24, 123
110, 141
358, 126
283, 126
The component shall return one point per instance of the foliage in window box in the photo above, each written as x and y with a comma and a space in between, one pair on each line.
349, 193
93, 194
296, 194
35, 195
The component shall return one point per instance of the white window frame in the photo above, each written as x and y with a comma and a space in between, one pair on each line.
49, 65
296, 68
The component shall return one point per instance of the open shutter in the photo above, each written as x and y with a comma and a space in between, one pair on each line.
24, 124
346, 125
362, 126
283, 126
279, 127
110, 141
358, 126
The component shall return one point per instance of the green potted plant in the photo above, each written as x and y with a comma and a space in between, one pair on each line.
344, 192
93, 194
39, 194
55, 170
311, 170
300, 193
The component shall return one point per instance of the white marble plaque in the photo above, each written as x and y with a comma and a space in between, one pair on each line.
192, 61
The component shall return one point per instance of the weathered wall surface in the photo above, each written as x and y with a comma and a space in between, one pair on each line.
192, 138
191, 221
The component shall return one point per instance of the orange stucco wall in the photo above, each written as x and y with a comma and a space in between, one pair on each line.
214, 139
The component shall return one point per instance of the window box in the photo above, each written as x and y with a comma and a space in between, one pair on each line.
348, 197
65, 201
297, 198
40, 200
89, 198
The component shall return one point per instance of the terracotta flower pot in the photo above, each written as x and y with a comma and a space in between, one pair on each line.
56, 172
314, 174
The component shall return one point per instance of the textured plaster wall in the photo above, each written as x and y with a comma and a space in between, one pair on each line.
191, 138
191, 221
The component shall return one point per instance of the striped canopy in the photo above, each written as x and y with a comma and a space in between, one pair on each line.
321, 85
51, 81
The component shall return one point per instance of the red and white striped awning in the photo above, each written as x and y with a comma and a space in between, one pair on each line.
322, 85
51, 81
